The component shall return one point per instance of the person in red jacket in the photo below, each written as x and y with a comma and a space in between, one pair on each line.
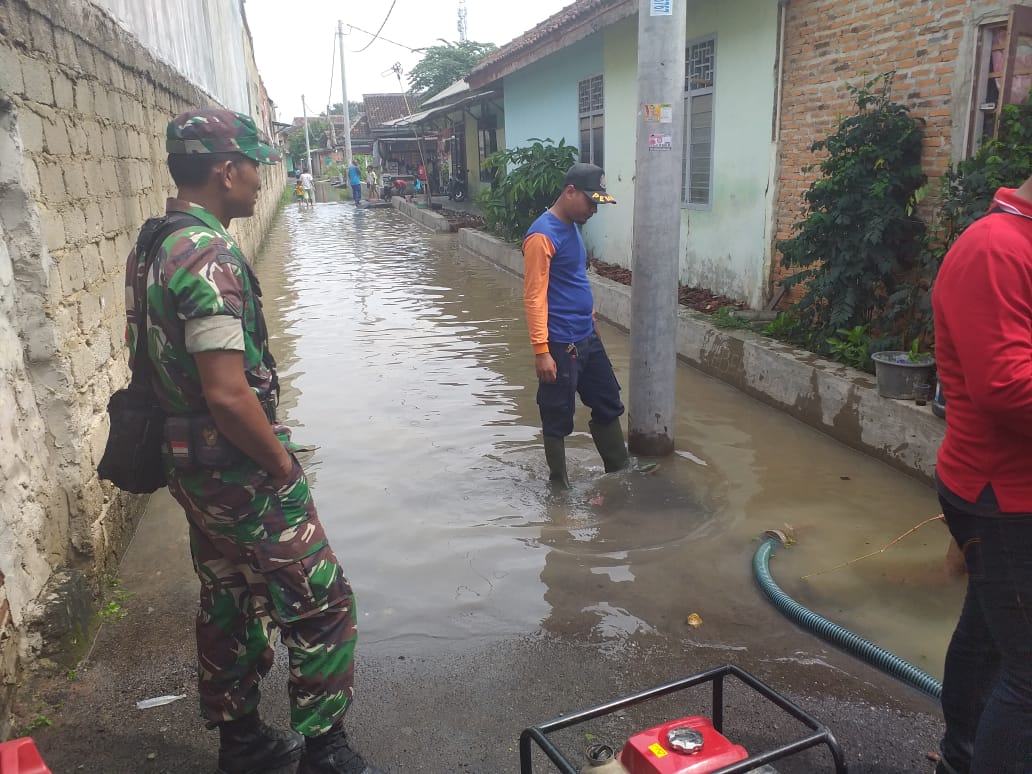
982, 300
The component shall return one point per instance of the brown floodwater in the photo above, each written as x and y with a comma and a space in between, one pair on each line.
407, 364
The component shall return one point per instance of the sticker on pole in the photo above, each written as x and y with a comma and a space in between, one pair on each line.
662, 113
661, 142
661, 8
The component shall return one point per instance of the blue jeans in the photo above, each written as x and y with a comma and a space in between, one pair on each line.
987, 684
356, 192
581, 369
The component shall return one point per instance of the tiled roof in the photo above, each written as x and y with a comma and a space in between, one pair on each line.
360, 129
551, 28
381, 108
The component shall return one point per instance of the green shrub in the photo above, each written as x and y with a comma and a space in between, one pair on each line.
860, 235
852, 346
525, 182
965, 194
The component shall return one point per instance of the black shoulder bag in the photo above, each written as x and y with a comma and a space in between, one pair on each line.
132, 457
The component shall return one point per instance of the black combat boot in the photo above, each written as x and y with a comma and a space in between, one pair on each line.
250, 746
331, 754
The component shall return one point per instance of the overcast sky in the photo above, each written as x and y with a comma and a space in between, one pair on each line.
294, 42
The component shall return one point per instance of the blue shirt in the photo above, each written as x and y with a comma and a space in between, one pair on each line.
557, 247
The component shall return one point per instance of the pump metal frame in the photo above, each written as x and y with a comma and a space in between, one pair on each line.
821, 734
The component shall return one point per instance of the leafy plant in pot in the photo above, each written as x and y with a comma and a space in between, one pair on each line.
905, 374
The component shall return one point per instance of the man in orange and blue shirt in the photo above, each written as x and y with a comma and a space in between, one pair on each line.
568, 354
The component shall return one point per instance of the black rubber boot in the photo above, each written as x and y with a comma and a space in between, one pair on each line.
555, 455
250, 746
331, 754
609, 441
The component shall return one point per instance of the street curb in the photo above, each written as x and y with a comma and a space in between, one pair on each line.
432, 220
833, 398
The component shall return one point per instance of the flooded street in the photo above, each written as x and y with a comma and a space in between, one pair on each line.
407, 363
487, 602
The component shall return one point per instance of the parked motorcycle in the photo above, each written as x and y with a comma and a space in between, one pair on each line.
457, 186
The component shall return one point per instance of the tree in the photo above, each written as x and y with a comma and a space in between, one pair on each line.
860, 236
318, 129
441, 66
354, 108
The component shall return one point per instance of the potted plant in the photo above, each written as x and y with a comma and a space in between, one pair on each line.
905, 375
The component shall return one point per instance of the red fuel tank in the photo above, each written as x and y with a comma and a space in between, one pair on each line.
20, 756
687, 746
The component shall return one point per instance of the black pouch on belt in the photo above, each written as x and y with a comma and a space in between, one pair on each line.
211, 449
195, 441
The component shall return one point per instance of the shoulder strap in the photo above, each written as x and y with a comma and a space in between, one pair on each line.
153, 234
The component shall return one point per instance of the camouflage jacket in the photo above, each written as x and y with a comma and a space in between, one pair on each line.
199, 271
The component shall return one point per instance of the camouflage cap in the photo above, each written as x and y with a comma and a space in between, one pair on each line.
216, 130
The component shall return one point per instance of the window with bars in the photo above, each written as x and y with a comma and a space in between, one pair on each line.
487, 143
697, 172
590, 101
1003, 72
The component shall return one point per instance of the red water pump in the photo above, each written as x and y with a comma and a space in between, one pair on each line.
20, 756
689, 745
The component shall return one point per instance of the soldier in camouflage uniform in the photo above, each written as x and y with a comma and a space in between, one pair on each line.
258, 547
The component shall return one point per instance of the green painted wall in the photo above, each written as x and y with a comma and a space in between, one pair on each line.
727, 247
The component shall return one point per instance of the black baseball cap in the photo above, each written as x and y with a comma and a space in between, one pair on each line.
589, 179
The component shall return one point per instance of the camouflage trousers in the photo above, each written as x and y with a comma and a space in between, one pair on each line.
264, 564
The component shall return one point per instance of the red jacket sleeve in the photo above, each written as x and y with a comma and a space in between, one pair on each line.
537, 257
993, 336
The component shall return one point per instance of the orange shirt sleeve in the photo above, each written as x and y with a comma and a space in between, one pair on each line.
537, 257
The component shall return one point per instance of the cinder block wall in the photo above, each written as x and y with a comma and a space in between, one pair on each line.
930, 45
83, 108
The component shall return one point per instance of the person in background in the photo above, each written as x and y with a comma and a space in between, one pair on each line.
355, 181
568, 354
308, 184
371, 182
982, 303
259, 550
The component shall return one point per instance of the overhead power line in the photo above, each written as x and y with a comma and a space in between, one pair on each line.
377, 35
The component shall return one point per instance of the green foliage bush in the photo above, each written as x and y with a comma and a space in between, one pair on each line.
525, 182
860, 235
965, 194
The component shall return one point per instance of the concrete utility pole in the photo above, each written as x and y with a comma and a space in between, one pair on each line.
657, 225
344, 94
308, 142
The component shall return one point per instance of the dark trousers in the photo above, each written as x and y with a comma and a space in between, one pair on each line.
582, 369
987, 684
356, 192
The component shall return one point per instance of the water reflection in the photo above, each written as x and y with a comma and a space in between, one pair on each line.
407, 364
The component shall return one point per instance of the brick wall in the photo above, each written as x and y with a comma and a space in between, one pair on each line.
83, 108
829, 42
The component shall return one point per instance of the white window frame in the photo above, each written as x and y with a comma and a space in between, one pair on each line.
690, 94
591, 114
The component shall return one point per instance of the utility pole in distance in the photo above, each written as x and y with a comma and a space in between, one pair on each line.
344, 95
658, 155
308, 142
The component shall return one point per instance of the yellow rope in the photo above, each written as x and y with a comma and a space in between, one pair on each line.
910, 531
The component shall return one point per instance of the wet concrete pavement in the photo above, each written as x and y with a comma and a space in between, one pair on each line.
487, 603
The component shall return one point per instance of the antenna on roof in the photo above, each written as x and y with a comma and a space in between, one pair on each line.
462, 21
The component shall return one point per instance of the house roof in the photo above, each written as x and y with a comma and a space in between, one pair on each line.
573, 23
381, 108
458, 101
459, 87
